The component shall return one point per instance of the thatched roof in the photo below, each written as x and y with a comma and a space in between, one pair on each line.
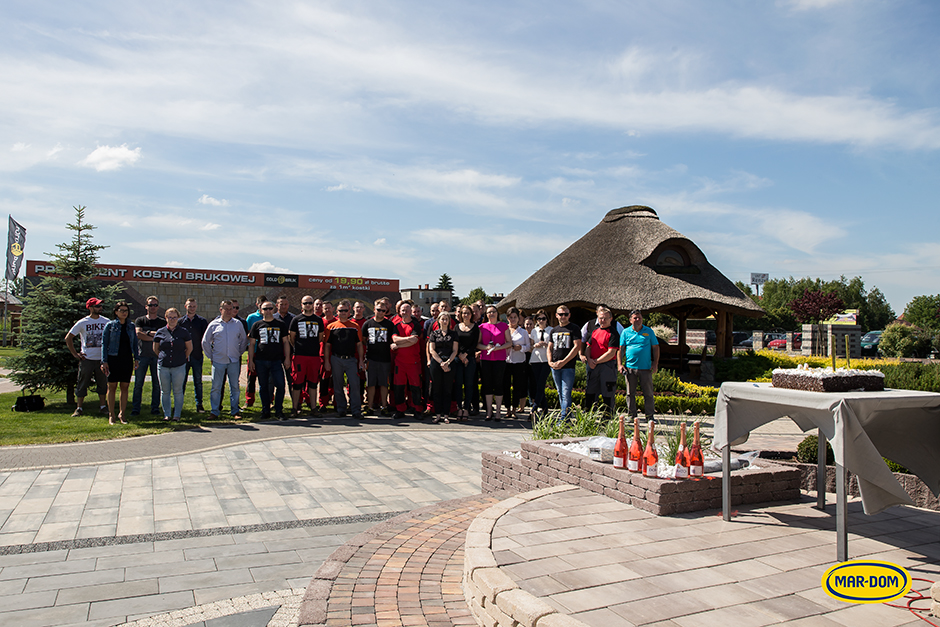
631, 260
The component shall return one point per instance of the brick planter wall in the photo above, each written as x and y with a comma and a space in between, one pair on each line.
917, 489
543, 465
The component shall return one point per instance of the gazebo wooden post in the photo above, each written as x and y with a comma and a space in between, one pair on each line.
723, 342
683, 327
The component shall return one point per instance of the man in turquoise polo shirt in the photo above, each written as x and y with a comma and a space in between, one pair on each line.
638, 359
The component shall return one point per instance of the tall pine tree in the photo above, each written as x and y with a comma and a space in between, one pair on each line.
53, 306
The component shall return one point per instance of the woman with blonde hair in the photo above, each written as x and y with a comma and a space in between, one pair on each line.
173, 345
515, 383
442, 349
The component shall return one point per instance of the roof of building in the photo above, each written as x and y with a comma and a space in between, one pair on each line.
631, 260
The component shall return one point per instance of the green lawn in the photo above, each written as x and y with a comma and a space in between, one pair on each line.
55, 423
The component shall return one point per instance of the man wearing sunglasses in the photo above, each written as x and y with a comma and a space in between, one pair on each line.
147, 326
377, 334
268, 357
564, 345
306, 333
344, 356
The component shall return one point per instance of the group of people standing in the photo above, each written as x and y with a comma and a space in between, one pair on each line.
388, 363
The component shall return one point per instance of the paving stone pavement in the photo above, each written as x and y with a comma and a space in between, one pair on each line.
611, 565
106, 543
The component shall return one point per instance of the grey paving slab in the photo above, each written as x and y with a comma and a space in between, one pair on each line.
758, 569
143, 605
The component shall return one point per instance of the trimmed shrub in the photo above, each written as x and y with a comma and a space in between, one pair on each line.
807, 451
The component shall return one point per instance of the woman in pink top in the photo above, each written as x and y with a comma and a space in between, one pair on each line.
494, 340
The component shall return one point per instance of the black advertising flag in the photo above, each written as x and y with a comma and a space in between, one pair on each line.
16, 242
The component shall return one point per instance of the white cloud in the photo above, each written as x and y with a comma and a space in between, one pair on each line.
206, 199
267, 266
342, 187
478, 240
379, 242
54, 151
452, 186
19, 146
126, 224
175, 264
104, 158
210, 226
809, 5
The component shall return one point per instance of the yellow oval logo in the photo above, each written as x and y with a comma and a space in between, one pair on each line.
867, 581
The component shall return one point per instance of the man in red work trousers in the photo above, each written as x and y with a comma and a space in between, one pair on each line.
407, 346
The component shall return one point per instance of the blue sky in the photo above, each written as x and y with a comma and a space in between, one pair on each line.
409, 139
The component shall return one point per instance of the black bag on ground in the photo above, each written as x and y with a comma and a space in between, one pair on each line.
32, 402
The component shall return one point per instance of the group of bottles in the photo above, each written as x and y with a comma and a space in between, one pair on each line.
689, 462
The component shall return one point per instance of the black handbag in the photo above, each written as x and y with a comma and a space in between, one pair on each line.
32, 402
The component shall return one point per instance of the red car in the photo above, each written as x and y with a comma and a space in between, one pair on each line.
781, 344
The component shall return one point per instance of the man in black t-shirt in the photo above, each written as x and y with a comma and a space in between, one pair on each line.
564, 344
306, 333
196, 325
268, 356
147, 326
377, 334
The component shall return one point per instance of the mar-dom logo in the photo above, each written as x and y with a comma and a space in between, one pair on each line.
866, 581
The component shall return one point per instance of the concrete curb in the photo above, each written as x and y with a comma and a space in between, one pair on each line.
493, 597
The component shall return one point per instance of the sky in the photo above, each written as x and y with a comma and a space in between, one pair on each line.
407, 139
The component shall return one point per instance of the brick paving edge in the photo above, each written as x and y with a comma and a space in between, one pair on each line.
314, 604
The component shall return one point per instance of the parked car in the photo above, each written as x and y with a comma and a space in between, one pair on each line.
781, 343
738, 337
870, 342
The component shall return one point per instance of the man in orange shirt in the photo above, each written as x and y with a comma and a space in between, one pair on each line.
343, 352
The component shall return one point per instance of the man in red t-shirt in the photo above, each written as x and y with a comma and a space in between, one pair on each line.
600, 359
407, 349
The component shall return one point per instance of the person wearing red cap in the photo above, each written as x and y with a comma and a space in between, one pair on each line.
91, 331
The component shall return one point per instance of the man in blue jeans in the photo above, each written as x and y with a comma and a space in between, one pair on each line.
223, 344
564, 346
147, 326
268, 356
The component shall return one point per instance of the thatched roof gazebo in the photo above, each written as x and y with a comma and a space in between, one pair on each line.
631, 260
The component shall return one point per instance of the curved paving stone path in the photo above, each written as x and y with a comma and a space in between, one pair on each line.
405, 571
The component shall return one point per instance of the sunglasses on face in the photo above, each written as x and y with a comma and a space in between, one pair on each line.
540, 318
562, 315
234, 306
153, 305
267, 309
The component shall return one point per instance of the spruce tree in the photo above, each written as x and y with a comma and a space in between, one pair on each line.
53, 306
445, 283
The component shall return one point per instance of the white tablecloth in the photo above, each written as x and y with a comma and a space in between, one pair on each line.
902, 425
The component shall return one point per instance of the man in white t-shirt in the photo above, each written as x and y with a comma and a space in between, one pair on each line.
91, 331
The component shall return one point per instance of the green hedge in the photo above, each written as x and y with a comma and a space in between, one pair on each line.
899, 375
664, 404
